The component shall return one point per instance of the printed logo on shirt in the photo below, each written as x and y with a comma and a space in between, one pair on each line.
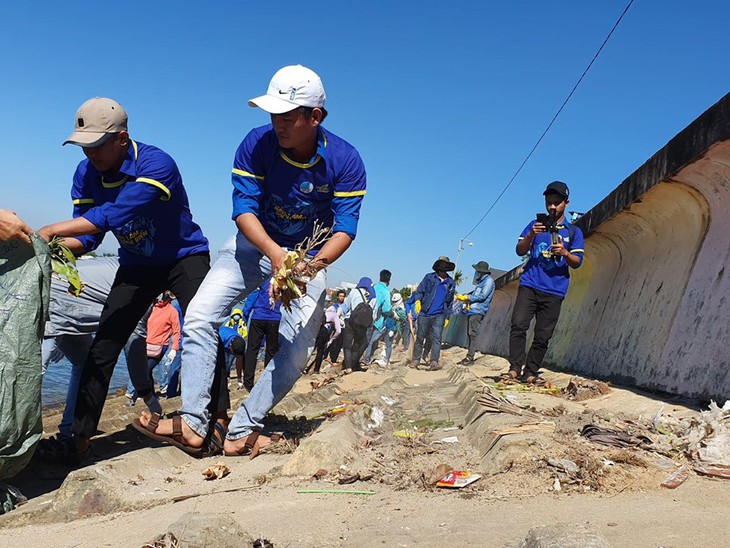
323, 188
137, 236
287, 218
306, 187
545, 258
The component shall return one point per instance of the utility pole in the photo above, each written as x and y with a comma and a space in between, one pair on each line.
459, 249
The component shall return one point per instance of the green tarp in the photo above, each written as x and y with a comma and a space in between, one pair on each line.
25, 276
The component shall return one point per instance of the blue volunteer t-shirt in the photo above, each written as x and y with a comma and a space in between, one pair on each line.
439, 299
542, 271
288, 196
144, 205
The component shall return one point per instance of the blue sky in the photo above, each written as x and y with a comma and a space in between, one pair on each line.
443, 101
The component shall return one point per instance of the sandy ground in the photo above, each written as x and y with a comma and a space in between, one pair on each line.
126, 498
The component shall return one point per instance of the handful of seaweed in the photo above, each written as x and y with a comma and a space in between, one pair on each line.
63, 263
290, 281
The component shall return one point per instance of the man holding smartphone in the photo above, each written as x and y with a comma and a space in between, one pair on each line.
543, 283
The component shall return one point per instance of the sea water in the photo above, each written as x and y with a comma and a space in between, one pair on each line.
56, 379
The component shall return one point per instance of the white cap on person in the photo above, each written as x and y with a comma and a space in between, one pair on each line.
291, 87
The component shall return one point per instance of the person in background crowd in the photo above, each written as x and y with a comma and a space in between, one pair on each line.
435, 294
357, 324
478, 302
263, 326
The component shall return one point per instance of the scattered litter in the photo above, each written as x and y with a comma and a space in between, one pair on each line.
408, 434
450, 439
333, 491
564, 465
556, 485
324, 381
168, 540
542, 426
389, 401
345, 480
583, 389
332, 412
494, 403
216, 471
715, 470
376, 417
319, 474
262, 542
677, 478
438, 473
457, 480
709, 441
607, 463
612, 438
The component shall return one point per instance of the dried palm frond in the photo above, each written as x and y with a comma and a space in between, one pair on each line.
290, 281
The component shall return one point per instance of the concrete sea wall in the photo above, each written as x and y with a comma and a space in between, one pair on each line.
648, 307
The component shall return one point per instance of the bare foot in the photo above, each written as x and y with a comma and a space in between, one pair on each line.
164, 428
236, 447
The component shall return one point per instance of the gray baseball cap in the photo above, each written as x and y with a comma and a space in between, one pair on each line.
96, 120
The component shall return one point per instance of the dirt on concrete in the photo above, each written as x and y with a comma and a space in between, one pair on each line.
359, 465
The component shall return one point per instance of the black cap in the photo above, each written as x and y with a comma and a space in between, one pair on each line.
559, 187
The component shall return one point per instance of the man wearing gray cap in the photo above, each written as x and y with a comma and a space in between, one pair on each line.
136, 192
287, 175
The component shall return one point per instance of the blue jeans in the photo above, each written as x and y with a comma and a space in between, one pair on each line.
429, 326
374, 338
172, 381
240, 269
75, 348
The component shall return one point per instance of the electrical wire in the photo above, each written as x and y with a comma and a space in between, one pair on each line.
572, 91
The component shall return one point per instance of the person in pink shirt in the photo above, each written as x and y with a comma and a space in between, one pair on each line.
163, 330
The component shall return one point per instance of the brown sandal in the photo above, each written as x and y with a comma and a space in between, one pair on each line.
537, 380
510, 377
176, 440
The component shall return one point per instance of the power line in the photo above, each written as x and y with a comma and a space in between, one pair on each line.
572, 91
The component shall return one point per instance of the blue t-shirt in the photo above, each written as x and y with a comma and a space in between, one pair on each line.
545, 273
288, 196
144, 205
262, 309
439, 298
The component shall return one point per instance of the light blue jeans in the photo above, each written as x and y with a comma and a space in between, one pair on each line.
75, 348
240, 269
373, 345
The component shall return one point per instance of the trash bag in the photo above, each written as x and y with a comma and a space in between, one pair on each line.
25, 278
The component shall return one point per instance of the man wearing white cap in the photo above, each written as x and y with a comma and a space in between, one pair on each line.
136, 192
286, 175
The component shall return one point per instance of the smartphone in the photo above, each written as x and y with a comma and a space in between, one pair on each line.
543, 218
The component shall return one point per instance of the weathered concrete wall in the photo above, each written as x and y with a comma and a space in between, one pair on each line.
649, 305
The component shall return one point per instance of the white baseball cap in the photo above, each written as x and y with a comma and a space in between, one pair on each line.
96, 120
291, 87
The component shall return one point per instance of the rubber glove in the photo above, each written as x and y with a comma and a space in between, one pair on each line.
462, 298
417, 307
446, 323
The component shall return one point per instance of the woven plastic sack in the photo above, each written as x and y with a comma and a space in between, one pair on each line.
25, 277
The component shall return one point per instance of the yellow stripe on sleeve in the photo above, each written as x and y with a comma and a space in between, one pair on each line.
349, 194
247, 174
84, 201
157, 184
